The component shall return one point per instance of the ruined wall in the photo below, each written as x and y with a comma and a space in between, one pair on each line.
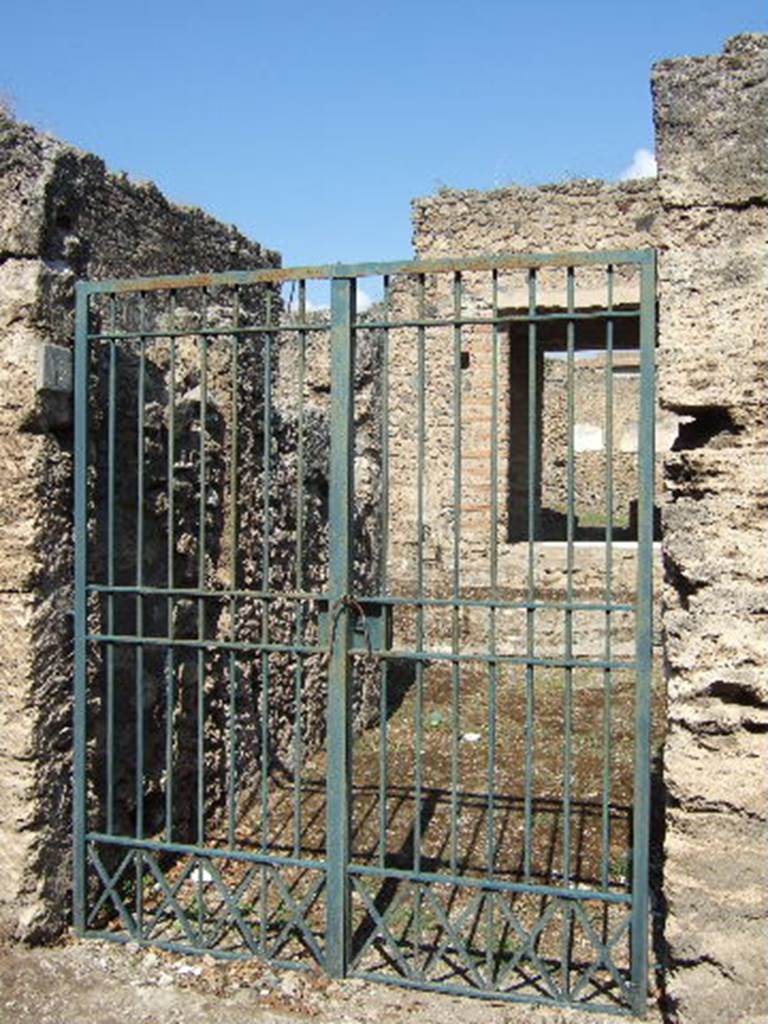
62, 217
588, 214
579, 215
712, 145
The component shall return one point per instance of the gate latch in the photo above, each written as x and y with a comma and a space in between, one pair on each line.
371, 625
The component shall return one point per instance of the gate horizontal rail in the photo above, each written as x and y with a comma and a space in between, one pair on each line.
509, 261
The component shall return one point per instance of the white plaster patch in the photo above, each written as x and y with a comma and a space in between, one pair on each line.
587, 437
628, 439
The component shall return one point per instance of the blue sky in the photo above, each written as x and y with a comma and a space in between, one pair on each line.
312, 125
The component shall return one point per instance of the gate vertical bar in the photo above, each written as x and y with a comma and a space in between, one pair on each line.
339, 679
80, 607
384, 574
644, 637
112, 393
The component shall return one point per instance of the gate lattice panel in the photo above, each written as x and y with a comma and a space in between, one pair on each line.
363, 620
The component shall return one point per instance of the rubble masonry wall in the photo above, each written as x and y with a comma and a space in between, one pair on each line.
62, 217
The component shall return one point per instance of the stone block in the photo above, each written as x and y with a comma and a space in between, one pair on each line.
719, 772
20, 456
16, 752
710, 114
54, 369
19, 290
701, 992
25, 162
716, 885
711, 306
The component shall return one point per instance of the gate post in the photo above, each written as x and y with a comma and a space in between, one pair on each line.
340, 511
644, 636
80, 609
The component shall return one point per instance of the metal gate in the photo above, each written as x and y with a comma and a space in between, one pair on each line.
363, 620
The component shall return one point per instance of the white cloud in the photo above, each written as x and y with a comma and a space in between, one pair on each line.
364, 301
643, 166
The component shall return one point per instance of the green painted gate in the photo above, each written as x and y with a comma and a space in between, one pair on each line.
363, 620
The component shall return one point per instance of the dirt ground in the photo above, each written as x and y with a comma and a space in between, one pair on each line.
457, 824
100, 983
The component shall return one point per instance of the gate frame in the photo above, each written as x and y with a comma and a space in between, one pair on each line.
342, 279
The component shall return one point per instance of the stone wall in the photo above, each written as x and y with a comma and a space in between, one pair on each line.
712, 145
62, 217
581, 215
